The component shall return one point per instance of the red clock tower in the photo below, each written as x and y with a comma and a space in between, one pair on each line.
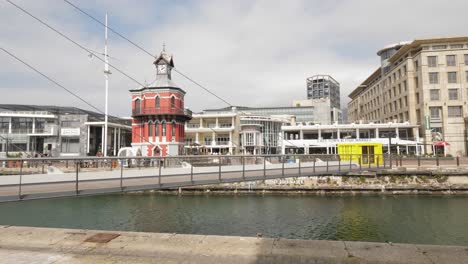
158, 114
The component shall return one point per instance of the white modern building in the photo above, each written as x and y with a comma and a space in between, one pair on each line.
53, 131
323, 139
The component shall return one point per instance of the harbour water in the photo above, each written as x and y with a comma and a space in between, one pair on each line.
419, 219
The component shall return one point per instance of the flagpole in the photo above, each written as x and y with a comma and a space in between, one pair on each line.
106, 74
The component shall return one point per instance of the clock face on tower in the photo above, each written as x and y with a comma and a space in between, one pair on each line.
162, 69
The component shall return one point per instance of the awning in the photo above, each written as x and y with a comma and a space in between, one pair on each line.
441, 143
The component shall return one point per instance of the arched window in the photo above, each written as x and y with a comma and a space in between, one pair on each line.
172, 102
173, 135
137, 106
163, 128
150, 130
158, 103
157, 129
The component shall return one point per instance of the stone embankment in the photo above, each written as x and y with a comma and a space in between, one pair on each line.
396, 181
51, 245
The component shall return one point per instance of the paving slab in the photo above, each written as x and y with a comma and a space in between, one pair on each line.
54, 245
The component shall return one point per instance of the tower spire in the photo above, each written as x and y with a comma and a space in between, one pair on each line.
164, 46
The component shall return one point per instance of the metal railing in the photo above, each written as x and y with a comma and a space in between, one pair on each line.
35, 178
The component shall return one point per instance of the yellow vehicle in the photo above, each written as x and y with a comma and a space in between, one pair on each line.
364, 152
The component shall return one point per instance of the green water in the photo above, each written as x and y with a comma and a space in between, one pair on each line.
404, 219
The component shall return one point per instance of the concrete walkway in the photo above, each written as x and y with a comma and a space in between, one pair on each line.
47, 246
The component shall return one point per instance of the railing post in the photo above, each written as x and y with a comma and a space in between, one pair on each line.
264, 167
159, 175
368, 161
401, 161
384, 161
282, 164
219, 161
390, 160
350, 161
76, 179
419, 161
299, 166
191, 171
378, 161
243, 167
314, 164
437, 160
339, 164
327, 163
360, 163
20, 180
121, 175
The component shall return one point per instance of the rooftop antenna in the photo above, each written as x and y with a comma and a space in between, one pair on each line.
106, 75
164, 46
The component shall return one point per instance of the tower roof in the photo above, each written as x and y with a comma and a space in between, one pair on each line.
165, 57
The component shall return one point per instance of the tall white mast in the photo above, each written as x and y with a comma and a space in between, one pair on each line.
106, 75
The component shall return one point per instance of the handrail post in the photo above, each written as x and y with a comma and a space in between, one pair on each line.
419, 161
76, 179
378, 161
360, 163
368, 160
282, 165
339, 163
314, 164
243, 167
327, 163
121, 175
390, 160
191, 171
159, 176
437, 160
458, 161
20, 180
264, 167
401, 161
299, 166
219, 162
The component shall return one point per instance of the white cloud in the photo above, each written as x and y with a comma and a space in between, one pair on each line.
249, 52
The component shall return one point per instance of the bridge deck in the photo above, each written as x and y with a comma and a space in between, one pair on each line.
122, 179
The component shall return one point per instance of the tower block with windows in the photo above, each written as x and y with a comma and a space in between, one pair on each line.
158, 114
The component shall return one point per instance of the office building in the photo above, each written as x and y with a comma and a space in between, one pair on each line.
423, 82
55, 131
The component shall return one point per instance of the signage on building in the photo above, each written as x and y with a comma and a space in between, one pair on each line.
428, 123
70, 131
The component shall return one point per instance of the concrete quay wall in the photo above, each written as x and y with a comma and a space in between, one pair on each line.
52, 245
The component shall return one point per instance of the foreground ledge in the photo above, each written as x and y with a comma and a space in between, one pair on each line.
53, 245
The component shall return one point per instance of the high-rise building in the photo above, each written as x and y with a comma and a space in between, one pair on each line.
423, 82
159, 115
324, 87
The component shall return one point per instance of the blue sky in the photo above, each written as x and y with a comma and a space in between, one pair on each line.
249, 52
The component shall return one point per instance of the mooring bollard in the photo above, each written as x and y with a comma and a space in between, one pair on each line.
458, 161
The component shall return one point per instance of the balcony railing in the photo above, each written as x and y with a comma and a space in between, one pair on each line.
162, 111
25, 131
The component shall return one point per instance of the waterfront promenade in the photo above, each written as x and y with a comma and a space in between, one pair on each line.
52, 245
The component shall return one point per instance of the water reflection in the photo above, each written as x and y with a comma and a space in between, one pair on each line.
410, 219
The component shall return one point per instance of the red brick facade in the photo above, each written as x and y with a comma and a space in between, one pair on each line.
158, 127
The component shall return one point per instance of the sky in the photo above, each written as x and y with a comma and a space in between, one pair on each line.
248, 52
